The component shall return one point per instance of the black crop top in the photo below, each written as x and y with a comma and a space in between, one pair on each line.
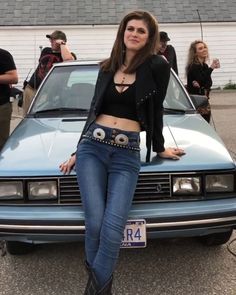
120, 104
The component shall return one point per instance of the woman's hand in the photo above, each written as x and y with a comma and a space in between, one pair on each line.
215, 64
172, 153
68, 165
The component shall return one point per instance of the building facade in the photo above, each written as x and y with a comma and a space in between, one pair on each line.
91, 28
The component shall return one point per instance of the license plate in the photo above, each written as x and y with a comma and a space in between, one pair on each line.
134, 234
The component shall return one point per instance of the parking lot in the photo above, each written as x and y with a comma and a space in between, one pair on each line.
165, 267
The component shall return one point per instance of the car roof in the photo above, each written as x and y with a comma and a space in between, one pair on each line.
77, 62
87, 62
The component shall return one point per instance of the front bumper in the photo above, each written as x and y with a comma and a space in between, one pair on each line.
66, 223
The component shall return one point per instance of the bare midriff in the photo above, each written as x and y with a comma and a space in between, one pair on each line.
119, 123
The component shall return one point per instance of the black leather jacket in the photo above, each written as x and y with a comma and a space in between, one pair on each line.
170, 55
202, 74
152, 79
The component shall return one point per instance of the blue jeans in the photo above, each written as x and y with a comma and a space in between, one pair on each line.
107, 177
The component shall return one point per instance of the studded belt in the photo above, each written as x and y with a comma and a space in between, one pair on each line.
115, 137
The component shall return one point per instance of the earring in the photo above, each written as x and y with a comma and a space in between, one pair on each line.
123, 48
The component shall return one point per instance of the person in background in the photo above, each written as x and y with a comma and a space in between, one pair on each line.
168, 51
58, 52
8, 76
128, 99
198, 73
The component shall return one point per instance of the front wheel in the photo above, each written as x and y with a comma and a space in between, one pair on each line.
19, 248
216, 239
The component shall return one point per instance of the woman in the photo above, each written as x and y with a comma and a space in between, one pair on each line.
129, 93
199, 74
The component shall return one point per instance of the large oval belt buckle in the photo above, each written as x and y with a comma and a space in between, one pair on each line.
99, 133
121, 139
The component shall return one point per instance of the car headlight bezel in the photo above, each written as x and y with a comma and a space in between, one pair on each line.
220, 183
42, 190
11, 190
187, 185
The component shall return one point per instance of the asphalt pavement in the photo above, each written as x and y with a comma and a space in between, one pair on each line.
165, 267
223, 105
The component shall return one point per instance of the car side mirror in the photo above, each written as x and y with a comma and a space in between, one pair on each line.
199, 100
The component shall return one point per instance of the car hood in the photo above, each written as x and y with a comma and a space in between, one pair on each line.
38, 146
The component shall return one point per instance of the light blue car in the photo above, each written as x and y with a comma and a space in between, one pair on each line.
195, 196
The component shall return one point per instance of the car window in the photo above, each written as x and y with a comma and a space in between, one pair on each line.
176, 97
67, 87
72, 87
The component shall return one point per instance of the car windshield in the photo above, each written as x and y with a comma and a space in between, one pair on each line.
71, 88
67, 88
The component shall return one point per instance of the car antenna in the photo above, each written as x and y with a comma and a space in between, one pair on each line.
200, 22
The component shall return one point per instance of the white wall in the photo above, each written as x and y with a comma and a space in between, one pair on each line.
221, 40
24, 43
96, 42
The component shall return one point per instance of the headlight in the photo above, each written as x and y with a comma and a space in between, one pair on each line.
41, 190
11, 190
220, 183
186, 185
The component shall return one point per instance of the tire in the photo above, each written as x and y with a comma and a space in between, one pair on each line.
19, 248
216, 239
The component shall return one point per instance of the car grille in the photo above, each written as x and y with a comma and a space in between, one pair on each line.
150, 187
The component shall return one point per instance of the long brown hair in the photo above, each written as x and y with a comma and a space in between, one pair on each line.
192, 53
116, 59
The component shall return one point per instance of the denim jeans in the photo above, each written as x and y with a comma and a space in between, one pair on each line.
107, 177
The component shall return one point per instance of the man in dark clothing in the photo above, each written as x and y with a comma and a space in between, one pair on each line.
58, 52
8, 76
168, 51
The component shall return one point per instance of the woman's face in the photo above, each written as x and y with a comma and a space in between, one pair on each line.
201, 50
136, 35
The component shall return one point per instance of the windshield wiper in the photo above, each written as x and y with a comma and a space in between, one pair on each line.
174, 111
59, 110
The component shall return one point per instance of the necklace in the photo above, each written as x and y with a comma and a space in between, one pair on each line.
122, 80
123, 67
121, 86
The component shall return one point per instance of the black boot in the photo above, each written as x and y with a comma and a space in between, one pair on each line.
92, 284
92, 287
106, 289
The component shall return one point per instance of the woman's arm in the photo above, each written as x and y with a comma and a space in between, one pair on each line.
172, 153
162, 76
68, 165
194, 78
